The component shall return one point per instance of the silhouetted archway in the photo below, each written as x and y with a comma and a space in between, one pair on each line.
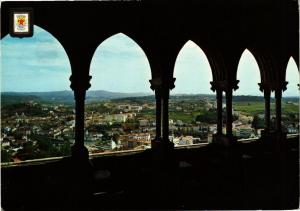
120, 108
248, 102
290, 104
192, 106
37, 103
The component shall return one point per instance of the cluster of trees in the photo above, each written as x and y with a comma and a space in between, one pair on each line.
28, 110
257, 122
98, 107
209, 116
39, 147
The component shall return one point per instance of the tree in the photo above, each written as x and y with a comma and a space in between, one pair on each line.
208, 117
257, 122
5, 156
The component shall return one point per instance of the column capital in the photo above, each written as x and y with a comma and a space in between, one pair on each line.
224, 85
264, 87
159, 83
282, 86
80, 83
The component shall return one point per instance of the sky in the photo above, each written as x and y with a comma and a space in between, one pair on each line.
36, 64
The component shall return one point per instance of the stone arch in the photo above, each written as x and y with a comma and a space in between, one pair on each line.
192, 45
133, 47
255, 63
42, 42
291, 76
130, 36
260, 61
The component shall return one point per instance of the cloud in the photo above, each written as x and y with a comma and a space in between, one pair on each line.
42, 50
34, 64
119, 64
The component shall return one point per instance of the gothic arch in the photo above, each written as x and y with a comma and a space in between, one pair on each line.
239, 72
129, 37
48, 40
208, 56
259, 58
291, 76
135, 47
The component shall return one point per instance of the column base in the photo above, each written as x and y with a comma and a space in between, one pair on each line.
224, 140
79, 153
161, 144
163, 153
80, 178
163, 172
273, 137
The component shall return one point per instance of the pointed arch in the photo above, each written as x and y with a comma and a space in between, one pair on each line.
249, 74
292, 77
119, 59
192, 70
34, 63
35, 76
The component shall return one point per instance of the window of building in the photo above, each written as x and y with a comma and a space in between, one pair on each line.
120, 106
37, 111
192, 105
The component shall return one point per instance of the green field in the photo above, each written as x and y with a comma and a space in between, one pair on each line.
185, 117
252, 108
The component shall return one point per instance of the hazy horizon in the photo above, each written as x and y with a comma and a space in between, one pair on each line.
146, 94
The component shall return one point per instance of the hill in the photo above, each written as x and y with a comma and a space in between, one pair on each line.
63, 97
67, 97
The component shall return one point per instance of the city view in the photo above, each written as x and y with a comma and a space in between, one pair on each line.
43, 126
37, 122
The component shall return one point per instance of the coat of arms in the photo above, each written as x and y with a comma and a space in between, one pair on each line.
21, 22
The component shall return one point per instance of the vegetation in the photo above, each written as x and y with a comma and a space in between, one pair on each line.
257, 122
43, 146
209, 116
27, 109
253, 108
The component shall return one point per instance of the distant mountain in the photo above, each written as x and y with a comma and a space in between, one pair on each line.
96, 95
63, 96
67, 97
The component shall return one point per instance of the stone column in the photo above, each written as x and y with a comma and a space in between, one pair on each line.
228, 112
162, 108
79, 86
219, 96
165, 114
278, 96
267, 96
219, 86
79, 117
156, 86
158, 114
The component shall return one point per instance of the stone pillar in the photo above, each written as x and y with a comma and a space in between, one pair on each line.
79, 86
278, 96
218, 86
165, 114
79, 117
267, 96
219, 96
228, 112
156, 86
80, 171
162, 108
158, 114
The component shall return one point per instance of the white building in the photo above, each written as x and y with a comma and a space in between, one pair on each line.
116, 118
